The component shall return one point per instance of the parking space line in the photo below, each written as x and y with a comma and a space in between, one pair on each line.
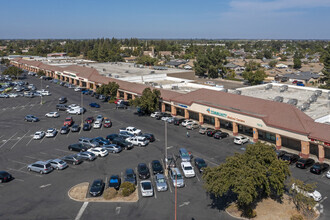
32, 157
66, 151
24, 172
15, 161
29, 141
197, 177
19, 140
81, 211
8, 140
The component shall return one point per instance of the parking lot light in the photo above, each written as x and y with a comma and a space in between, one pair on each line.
166, 165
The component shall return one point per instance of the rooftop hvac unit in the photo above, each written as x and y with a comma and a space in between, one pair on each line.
304, 106
293, 101
109, 74
175, 88
283, 88
104, 69
312, 99
278, 99
318, 93
268, 86
116, 76
237, 92
224, 90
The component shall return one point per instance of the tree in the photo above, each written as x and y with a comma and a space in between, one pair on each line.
12, 71
253, 73
272, 63
302, 202
147, 60
149, 101
251, 176
5, 61
326, 69
296, 63
41, 73
213, 72
108, 89
268, 54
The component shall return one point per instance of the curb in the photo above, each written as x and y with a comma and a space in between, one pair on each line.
235, 216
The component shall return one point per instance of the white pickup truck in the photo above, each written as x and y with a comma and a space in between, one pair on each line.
131, 130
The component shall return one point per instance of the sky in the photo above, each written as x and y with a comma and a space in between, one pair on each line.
180, 19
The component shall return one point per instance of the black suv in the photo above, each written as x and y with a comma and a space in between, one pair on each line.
156, 167
303, 163
319, 168
62, 100
291, 158
122, 143
5, 176
77, 147
178, 121
143, 171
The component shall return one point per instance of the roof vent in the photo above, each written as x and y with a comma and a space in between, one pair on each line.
268, 86
318, 93
278, 99
284, 88
116, 76
304, 106
237, 92
293, 101
312, 99
175, 88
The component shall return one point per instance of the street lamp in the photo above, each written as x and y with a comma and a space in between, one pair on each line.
82, 106
41, 92
166, 162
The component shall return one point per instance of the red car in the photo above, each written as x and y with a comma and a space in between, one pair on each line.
294, 82
89, 120
118, 101
107, 123
68, 121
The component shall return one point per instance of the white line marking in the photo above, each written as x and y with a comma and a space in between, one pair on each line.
44, 153
44, 186
18, 162
185, 203
19, 140
29, 141
32, 157
118, 210
81, 211
63, 150
8, 140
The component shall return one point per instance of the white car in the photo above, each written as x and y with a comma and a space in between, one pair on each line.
187, 121
192, 126
98, 151
154, 114
39, 135
241, 140
51, 132
138, 141
73, 106
188, 170
99, 118
52, 115
131, 130
328, 174
316, 195
75, 111
97, 124
146, 188
77, 89
45, 93
13, 95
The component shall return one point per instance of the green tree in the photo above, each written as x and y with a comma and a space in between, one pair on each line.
255, 77
326, 69
253, 175
149, 101
41, 73
213, 72
147, 60
5, 61
296, 63
302, 202
108, 89
12, 71
272, 63
268, 54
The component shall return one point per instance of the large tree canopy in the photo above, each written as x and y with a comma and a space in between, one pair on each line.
108, 89
149, 101
256, 173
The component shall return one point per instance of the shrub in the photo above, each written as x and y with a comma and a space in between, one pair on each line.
249, 213
296, 217
109, 193
112, 100
127, 188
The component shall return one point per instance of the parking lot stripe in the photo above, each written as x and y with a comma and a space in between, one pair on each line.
22, 172
29, 141
15, 161
8, 140
32, 157
66, 151
81, 211
19, 140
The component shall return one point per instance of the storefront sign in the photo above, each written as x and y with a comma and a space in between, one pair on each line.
224, 115
181, 105
320, 142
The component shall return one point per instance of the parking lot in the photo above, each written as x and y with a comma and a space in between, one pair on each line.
34, 196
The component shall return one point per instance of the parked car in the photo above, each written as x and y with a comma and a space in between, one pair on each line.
156, 167
303, 163
87, 127
138, 141
316, 195
188, 170
57, 164
149, 136
178, 121
39, 135
87, 155
187, 121
89, 120
131, 130
319, 168
122, 143
107, 122
68, 121
51, 132
125, 134
75, 128
171, 120
161, 184
115, 182
291, 158
146, 188
176, 177
98, 151
101, 141
200, 164
97, 188
166, 116
241, 140
192, 126
88, 142
64, 130
40, 167
99, 118
121, 106
328, 174
130, 176
112, 136
31, 118
112, 148
62, 100
154, 114
97, 124
143, 171
72, 159
184, 155
212, 132
52, 115
280, 153
61, 107
75, 111
77, 147
94, 105
220, 135
5, 176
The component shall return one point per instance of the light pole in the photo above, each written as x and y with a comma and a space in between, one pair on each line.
41, 91
82, 106
166, 163
176, 197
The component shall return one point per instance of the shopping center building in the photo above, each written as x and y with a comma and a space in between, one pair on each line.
279, 123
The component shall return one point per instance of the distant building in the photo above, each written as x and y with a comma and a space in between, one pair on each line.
307, 77
56, 55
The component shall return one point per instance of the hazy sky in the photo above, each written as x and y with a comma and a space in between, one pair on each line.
271, 19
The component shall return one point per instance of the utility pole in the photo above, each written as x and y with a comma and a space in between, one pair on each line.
82, 106
41, 92
176, 197
166, 163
